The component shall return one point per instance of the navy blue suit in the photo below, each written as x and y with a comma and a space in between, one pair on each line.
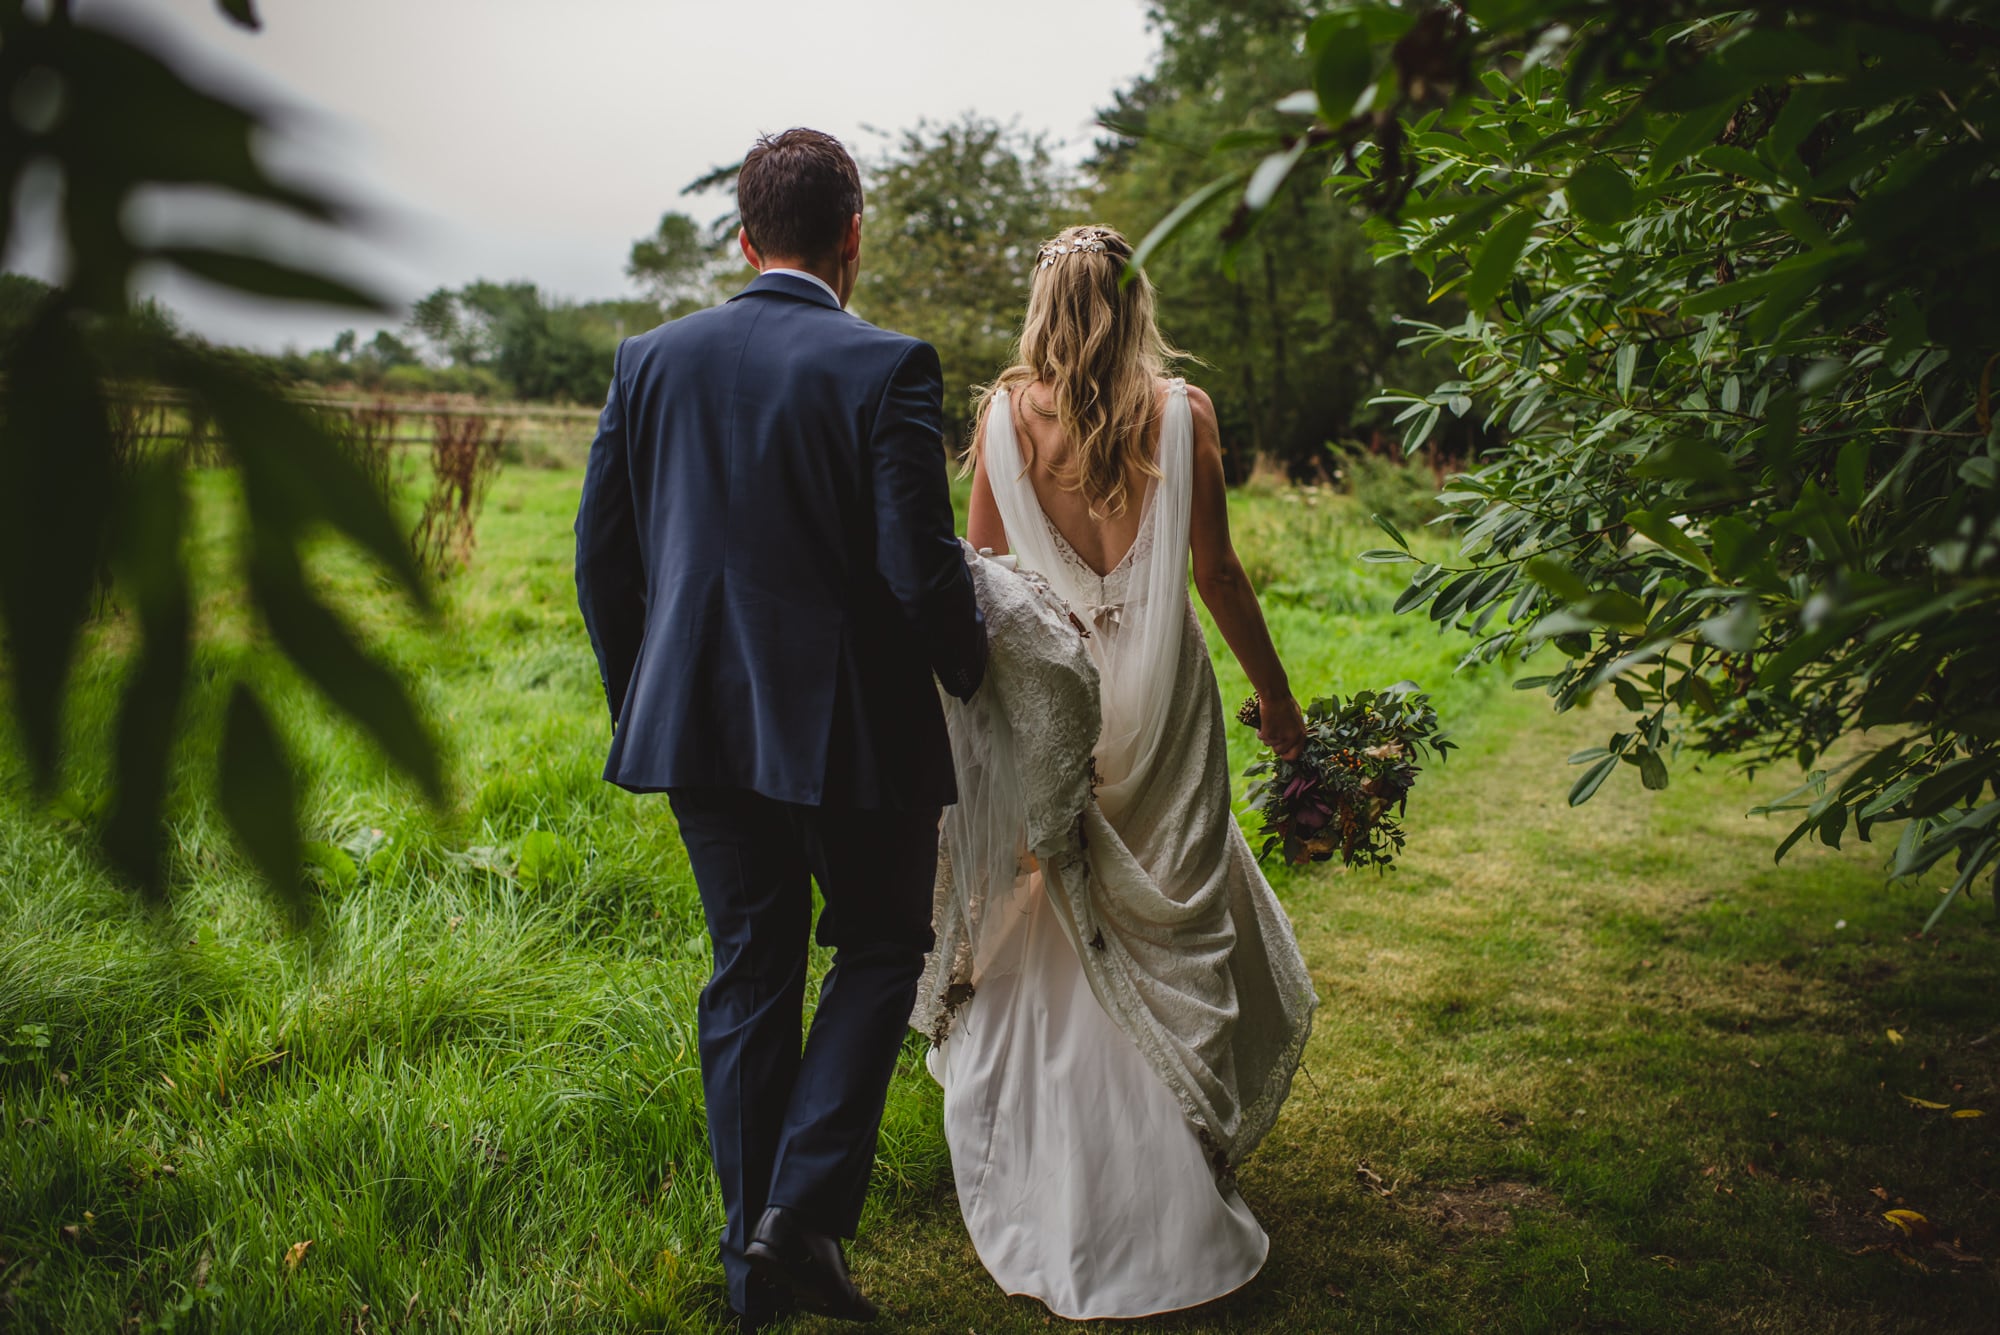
765, 557
766, 564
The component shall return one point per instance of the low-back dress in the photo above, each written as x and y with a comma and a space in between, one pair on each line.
1127, 1022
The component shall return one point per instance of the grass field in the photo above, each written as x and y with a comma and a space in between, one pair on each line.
1603, 1069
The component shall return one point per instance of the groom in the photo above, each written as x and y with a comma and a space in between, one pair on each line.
766, 565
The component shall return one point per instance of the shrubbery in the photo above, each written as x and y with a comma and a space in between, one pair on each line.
1729, 276
1403, 491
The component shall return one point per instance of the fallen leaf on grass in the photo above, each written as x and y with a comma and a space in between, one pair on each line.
1895, 1037
168, 1081
296, 1253
1953, 1253
1925, 1103
1968, 1112
1877, 1191
1372, 1180
1912, 1225
72, 1233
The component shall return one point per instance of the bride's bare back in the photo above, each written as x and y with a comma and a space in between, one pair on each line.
1102, 540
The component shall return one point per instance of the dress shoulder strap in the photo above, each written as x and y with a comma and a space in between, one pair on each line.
1177, 440
1020, 510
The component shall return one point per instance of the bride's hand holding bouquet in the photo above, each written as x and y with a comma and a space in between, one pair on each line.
1280, 724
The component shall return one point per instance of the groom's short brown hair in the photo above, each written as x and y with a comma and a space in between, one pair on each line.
796, 192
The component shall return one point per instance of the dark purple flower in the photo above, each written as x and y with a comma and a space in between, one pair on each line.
1311, 816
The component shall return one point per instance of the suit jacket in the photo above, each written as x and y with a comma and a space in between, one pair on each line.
765, 557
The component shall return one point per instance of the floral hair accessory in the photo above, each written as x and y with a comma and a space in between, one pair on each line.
1055, 250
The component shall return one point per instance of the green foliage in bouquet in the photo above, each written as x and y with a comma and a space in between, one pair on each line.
1359, 763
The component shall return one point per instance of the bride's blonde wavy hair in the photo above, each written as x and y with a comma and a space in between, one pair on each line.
1095, 343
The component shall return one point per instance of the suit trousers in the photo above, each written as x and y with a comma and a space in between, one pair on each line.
792, 1124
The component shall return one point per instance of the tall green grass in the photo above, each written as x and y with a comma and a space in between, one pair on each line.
471, 1083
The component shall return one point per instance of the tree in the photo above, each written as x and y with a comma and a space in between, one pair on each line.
674, 265
437, 321
387, 351
539, 347
955, 214
1728, 274
1293, 325
115, 120
550, 351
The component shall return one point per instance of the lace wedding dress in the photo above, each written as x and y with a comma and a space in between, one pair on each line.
1117, 1002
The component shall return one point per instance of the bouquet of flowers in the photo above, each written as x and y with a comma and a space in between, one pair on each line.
1359, 763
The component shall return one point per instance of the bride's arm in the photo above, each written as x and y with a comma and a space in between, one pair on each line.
983, 528
1225, 589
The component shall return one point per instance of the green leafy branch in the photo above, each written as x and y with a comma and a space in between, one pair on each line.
1725, 271
112, 119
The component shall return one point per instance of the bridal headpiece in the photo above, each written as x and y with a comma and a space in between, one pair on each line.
1074, 245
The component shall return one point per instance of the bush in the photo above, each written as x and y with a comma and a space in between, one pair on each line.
1727, 275
1402, 491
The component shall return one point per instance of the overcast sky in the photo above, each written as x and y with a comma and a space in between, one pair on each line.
536, 139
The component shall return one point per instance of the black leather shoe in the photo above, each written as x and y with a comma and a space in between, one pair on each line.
809, 1264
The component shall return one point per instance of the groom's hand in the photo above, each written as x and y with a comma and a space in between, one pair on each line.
1282, 727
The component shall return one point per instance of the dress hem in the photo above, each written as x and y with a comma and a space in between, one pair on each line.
1238, 1287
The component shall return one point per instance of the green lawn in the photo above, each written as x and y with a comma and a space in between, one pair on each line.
1604, 1069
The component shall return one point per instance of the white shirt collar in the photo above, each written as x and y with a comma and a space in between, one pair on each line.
814, 279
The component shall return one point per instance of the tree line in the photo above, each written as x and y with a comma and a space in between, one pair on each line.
1293, 331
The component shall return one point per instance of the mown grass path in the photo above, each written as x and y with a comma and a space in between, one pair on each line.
1597, 1069
1604, 1069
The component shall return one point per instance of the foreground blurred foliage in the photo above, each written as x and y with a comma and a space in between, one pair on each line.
98, 121
1729, 274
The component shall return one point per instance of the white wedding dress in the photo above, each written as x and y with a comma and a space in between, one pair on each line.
1117, 1001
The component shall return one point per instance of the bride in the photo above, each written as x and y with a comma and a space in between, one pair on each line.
1117, 1002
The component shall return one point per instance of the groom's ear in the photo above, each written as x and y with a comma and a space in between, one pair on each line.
749, 250
850, 245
